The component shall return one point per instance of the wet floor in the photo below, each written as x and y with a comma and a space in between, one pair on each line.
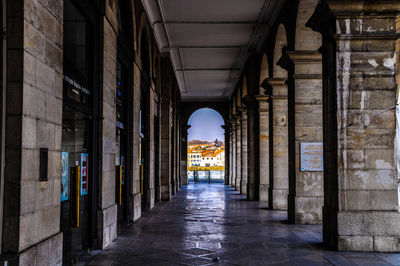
214, 225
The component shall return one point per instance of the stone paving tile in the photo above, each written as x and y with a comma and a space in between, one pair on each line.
214, 225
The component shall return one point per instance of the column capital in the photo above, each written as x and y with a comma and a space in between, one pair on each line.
276, 87
345, 8
305, 56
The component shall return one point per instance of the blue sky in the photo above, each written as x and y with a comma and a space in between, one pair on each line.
206, 125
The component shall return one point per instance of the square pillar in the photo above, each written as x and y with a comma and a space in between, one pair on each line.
279, 186
306, 185
238, 176
263, 102
243, 179
360, 63
234, 162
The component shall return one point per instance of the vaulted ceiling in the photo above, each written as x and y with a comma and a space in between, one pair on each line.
209, 40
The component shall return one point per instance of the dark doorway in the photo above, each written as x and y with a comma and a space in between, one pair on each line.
124, 106
79, 130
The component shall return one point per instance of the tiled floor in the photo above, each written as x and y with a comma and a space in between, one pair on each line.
213, 225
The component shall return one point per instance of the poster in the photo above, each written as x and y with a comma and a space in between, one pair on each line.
64, 176
123, 169
84, 173
311, 157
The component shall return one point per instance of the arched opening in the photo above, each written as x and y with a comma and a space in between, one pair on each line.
124, 106
280, 43
206, 147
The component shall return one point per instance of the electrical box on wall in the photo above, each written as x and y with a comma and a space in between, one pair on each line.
44, 156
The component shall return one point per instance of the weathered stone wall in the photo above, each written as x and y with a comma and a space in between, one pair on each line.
107, 213
280, 144
306, 188
264, 147
135, 197
33, 118
361, 212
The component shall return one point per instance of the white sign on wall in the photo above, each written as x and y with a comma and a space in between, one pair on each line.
311, 157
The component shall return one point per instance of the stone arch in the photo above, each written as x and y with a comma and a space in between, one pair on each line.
144, 43
156, 73
134, 25
191, 107
244, 88
280, 43
264, 69
306, 39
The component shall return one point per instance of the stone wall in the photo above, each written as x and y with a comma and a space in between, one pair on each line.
107, 213
34, 117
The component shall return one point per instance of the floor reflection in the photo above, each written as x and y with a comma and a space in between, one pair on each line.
210, 224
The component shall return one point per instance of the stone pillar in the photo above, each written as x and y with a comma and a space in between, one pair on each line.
184, 175
34, 91
233, 171
263, 103
253, 170
238, 175
243, 178
280, 178
360, 58
306, 186
226, 128
165, 137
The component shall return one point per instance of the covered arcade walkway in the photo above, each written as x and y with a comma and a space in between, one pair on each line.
205, 222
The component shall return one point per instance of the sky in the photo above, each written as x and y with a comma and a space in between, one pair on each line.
206, 125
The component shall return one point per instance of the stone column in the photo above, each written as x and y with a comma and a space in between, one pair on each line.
234, 162
184, 175
306, 186
226, 128
243, 178
253, 137
360, 58
280, 178
238, 176
263, 103
165, 131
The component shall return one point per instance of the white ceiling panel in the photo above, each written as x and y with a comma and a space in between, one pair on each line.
208, 58
208, 40
195, 35
211, 10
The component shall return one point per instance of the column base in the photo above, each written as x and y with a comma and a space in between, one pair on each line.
237, 184
305, 210
47, 252
165, 192
106, 226
243, 188
280, 199
136, 206
368, 231
264, 193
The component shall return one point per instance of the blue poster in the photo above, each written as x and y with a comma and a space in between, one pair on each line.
123, 170
84, 173
64, 176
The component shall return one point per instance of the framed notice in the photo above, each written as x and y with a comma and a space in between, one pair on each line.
311, 157
84, 173
64, 176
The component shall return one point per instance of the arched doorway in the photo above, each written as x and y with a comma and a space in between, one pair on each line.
206, 147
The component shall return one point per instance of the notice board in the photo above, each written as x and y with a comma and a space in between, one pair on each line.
311, 157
